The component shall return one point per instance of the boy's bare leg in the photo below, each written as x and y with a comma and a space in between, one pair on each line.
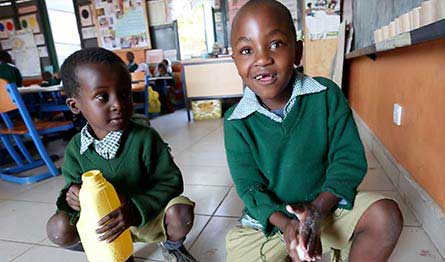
61, 232
377, 232
178, 221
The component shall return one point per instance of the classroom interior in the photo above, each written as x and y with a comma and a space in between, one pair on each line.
386, 56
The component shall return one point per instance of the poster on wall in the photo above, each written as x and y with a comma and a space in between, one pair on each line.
86, 18
26, 54
122, 24
6, 28
322, 18
29, 22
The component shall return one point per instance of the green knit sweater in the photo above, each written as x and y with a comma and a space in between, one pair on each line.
315, 149
143, 170
11, 74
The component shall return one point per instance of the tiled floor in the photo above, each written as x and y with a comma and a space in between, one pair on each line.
198, 149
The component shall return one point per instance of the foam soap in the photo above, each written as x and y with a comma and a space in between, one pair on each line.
97, 199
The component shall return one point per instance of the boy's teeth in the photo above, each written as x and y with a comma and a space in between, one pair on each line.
259, 77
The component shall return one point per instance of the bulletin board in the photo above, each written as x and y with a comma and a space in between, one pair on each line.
122, 24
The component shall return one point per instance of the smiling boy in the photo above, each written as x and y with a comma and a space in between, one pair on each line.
295, 155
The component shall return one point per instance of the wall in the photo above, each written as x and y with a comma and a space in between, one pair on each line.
415, 78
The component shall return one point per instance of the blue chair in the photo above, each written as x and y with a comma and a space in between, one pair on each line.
12, 130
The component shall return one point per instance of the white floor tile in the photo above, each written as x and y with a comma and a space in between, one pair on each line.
376, 179
47, 254
415, 246
232, 205
211, 244
46, 192
11, 250
9, 190
372, 161
201, 156
208, 198
24, 221
206, 175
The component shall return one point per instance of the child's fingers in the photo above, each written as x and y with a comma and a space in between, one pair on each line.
318, 249
108, 226
311, 244
108, 217
292, 250
112, 233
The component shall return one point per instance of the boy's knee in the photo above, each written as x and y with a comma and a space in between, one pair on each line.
179, 215
60, 231
386, 216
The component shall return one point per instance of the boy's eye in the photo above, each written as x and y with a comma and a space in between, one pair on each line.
245, 51
101, 97
275, 44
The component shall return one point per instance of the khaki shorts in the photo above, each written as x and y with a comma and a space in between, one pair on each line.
247, 244
154, 231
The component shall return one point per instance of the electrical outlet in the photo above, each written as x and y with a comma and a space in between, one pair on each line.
397, 114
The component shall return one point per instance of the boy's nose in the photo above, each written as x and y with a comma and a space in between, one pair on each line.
116, 105
263, 58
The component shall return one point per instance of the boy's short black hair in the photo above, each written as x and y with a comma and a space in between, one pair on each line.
284, 12
94, 55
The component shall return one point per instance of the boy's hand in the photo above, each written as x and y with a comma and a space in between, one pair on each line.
115, 223
72, 197
309, 230
291, 238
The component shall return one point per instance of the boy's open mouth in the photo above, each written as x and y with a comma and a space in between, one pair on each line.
117, 120
265, 78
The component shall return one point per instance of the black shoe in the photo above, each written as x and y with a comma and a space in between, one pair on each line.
177, 255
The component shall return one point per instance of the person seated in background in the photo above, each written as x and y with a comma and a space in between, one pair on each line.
131, 66
166, 64
48, 79
7, 69
162, 70
143, 67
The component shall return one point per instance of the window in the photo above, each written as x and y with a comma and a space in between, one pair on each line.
64, 28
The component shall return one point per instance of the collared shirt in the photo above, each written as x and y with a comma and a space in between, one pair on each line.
106, 147
249, 104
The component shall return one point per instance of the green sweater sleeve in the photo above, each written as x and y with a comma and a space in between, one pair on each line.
250, 184
72, 173
165, 180
346, 156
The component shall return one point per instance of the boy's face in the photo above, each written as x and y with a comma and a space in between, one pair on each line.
264, 52
104, 98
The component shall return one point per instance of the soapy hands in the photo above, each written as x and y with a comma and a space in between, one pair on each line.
303, 237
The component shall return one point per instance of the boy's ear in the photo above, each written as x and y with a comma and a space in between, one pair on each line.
298, 52
72, 105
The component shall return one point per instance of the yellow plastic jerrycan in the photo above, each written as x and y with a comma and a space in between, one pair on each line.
97, 199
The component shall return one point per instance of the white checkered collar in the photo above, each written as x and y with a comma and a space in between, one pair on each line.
249, 104
106, 147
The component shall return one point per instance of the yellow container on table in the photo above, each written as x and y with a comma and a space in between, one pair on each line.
97, 199
206, 109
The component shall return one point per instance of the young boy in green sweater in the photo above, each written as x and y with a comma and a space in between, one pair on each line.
131, 156
295, 155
